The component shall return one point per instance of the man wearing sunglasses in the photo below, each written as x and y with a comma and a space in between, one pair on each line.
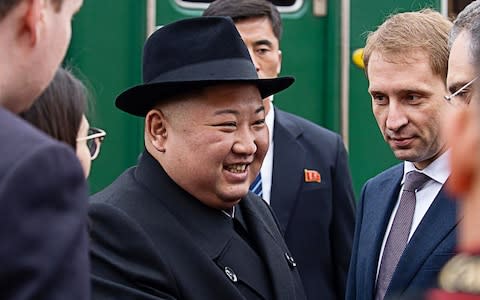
461, 70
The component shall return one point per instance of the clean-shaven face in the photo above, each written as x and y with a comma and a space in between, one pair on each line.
216, 142
408, 104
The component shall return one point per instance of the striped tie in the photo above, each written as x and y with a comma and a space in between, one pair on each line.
256, 186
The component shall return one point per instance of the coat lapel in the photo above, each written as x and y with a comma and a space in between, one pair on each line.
379, 205
270, 246
287, 173
439, 221
211, 230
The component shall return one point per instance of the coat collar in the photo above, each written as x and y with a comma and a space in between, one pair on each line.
209, 227
211, 230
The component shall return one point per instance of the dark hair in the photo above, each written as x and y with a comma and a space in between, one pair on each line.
59, 109
7, 5
245, 9
465, 20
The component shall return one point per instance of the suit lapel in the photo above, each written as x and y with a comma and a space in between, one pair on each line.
380, 204
271, 249
287, 173
439, 221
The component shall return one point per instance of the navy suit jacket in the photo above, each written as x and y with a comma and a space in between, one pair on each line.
317, 219
153, 240
430, 247
43, 201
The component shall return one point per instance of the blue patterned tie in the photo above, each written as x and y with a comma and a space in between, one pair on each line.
398, 236
256, 186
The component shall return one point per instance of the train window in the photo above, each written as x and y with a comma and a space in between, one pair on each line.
284, 6
456, 6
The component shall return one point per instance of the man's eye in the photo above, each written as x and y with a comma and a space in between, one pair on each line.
259, 122
262, 51
227, 124
379, 99
412, 97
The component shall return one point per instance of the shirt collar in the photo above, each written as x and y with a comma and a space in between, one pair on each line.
269, 120
438, 170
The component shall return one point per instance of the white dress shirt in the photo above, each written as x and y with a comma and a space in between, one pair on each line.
267, 165
438, 171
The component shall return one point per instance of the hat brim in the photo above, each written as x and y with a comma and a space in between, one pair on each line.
139, 99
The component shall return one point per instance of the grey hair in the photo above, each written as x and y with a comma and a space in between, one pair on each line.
466, 19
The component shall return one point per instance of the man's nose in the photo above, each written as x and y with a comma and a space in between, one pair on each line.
245, 143
396, 116
254, 60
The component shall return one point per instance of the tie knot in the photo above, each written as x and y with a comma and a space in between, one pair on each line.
414, 180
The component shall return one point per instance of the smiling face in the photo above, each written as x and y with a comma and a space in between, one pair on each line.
211, 144
460, 69
408, 104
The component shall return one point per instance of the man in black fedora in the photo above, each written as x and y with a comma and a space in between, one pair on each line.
182, 223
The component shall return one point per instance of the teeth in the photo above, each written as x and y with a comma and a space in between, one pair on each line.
237, 168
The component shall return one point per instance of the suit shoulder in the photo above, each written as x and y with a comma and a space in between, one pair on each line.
31, 156
290, 120
23, 139
123, 187
394, 171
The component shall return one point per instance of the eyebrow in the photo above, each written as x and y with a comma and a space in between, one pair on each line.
405, 91
456, 86
263, 42
236, 112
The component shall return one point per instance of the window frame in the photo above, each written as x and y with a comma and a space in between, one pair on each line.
203, 5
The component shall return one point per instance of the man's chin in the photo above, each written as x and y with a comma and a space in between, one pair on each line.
405, 155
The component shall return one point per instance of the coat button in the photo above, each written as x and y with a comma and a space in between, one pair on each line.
290, 260
230, 274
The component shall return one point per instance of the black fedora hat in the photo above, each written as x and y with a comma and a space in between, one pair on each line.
194, 53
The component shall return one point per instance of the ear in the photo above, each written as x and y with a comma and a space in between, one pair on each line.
462, 136
156, 129
33, 19
279, 68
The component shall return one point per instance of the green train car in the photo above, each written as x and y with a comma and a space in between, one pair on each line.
319, 40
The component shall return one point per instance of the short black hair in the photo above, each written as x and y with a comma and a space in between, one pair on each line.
245, 9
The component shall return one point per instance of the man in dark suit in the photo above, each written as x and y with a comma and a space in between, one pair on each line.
406, 223
305, 176
43, 196
182, 224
